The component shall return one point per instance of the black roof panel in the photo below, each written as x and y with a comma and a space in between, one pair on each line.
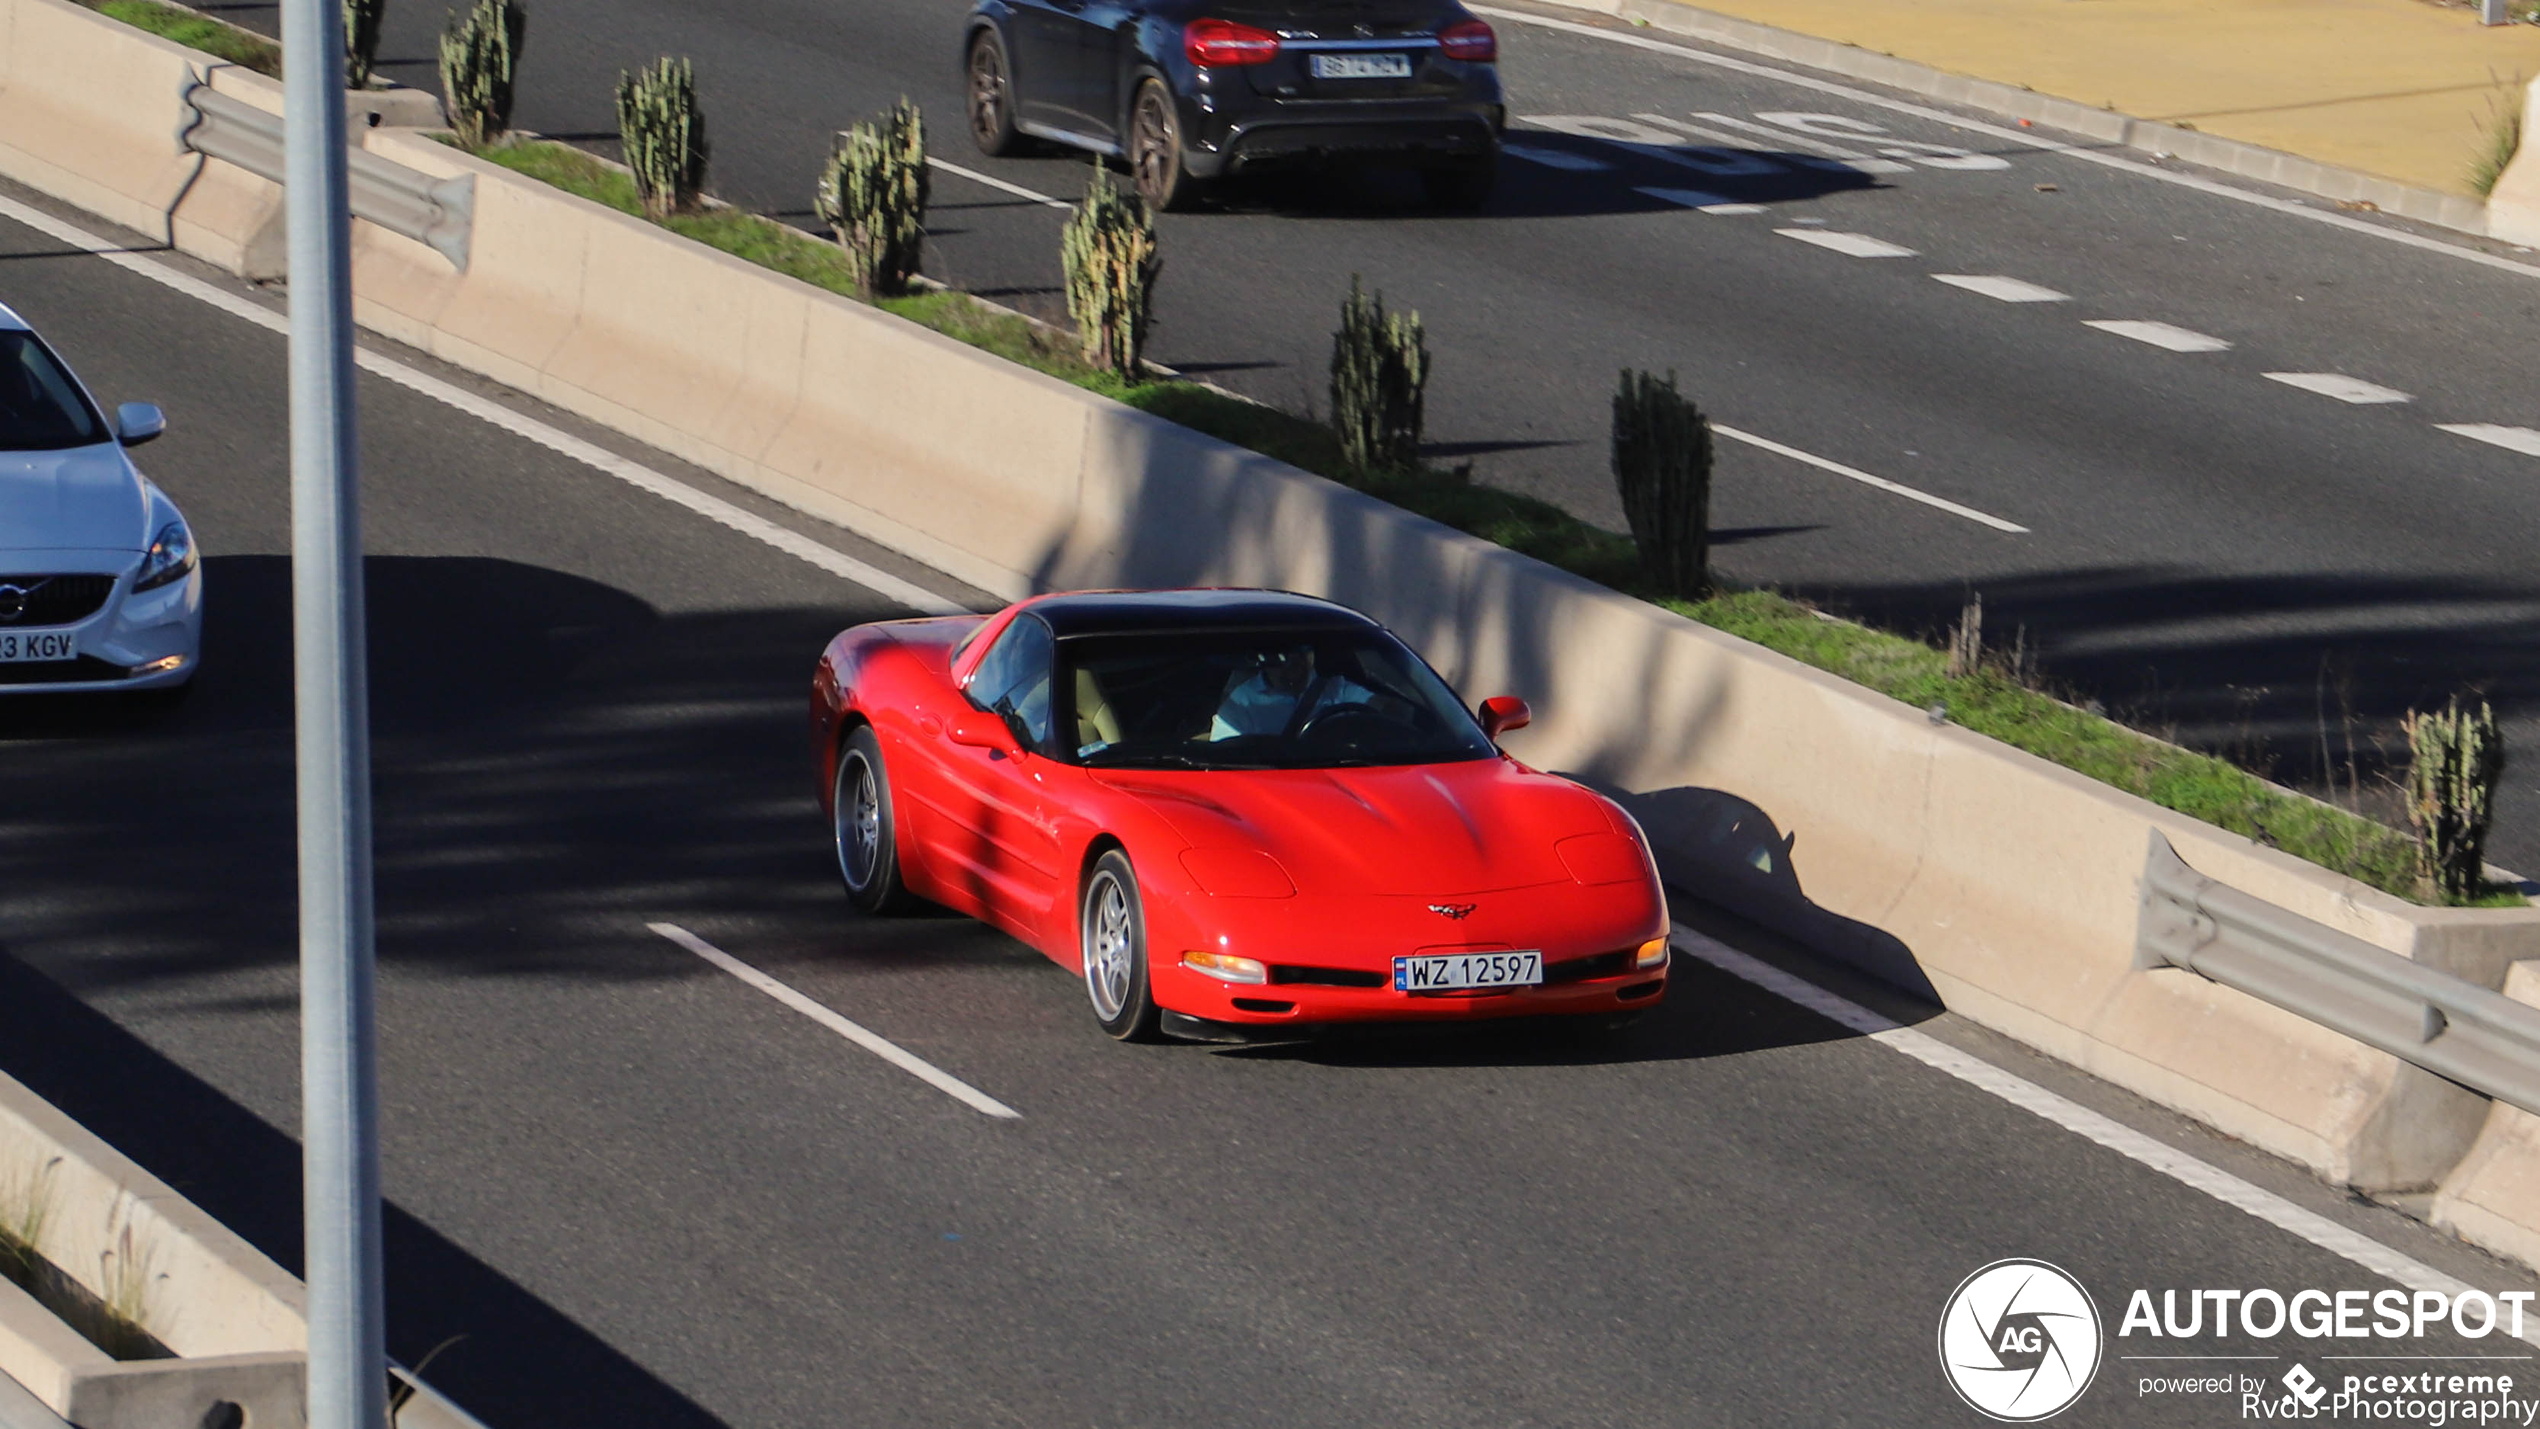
1127, 612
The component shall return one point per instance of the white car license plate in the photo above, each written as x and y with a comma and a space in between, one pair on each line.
18, 645
1453, 971
1362, 66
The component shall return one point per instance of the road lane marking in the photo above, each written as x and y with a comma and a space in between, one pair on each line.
873, 1042
1866, 479
999, 184
2025, 139
678, 493
2179, 1166
2517, 439
1836, 155
1851, 245
2008, 290
2176, 339
2339, 386
1699, 201
1555, 158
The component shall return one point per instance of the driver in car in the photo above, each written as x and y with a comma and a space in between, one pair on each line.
1271, 695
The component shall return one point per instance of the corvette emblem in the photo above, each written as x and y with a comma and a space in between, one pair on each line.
1452, 910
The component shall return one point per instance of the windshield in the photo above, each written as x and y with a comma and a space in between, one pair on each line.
1259, 699
41, 408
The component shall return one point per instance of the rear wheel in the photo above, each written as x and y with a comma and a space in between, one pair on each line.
868, 844
991, 97
1155, 150
1463, 188
1114, 942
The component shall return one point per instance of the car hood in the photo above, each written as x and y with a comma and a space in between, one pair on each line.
87, 498
1428, 830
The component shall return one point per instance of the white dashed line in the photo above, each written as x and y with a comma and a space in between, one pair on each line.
1854, 245
2339, 386
1854, 473
873, 1042
2515, 439
2176, 339
1000, 185
1555, 158
1835, 153
1696, 199
2192, 1172
1994, 285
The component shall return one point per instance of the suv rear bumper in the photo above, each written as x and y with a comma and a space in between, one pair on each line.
1425, 134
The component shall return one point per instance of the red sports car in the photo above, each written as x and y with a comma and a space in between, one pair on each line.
1237, 812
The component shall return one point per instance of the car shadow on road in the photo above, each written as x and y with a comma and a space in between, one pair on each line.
1549, 175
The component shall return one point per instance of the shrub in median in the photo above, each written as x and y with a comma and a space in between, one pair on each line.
1662, 469
663, 134
1109, 251
872, 195
2455, 758
479, 56
1380, 370
361, 40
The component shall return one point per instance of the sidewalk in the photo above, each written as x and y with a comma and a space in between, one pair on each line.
2405, 89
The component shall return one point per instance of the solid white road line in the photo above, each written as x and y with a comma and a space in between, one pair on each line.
2024, 138
1555, 158
1994, 285
2339, 386
2176, 339
713, 508
2179, 1166
1698, 200
1851, 245
875, 1043
999, 184
2519, 439
1866, 479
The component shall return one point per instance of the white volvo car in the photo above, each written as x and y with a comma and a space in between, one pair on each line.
100, 588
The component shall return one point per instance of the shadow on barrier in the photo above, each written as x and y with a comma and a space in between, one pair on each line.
518, 1361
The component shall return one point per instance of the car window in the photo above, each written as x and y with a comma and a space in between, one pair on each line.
1261, 699
41, 408
1013, 680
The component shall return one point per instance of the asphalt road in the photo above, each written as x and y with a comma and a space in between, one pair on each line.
628, 1189
2209, 553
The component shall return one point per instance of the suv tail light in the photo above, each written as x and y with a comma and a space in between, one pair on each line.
1469, 40
1210, 43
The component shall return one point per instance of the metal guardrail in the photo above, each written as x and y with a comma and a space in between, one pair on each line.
440, 212
2483, 1040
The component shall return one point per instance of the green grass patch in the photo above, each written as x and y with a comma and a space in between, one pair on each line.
1989, 702
2504, 139
197, 31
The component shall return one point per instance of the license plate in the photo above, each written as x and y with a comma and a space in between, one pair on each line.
1362, 66
1453, 971
36, 645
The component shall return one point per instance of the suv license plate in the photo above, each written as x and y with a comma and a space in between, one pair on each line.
34, 645
1455, 971
1362, 66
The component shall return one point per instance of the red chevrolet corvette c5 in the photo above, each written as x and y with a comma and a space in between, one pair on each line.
1234, 811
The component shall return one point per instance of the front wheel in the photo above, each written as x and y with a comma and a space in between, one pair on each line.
991, 97
1155, 150
861, 816
1114, 942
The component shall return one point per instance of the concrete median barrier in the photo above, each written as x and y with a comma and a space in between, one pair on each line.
2513, 205
2002, 884
2493, 1199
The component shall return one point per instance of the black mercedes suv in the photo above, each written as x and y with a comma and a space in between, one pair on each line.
1189, 91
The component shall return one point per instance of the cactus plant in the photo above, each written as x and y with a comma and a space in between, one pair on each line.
1662, 469
1109, 250
663, 134
2455, 759
361, 40
1380, 369
872, 194
479, 56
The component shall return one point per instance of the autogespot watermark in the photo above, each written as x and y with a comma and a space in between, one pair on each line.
2021, 1340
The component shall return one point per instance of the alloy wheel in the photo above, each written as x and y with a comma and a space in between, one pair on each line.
1109, 947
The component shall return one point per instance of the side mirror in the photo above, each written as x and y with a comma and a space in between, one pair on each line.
138, 422
979, 730
1502, 713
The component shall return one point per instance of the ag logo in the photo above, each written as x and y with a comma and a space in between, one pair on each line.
2019, 1340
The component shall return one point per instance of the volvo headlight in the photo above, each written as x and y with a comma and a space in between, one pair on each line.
170, 558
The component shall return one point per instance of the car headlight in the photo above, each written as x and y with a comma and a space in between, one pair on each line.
170, 558
1650, 954
1226, 967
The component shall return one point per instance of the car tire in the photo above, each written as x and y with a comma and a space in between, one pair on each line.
990, 96
1155, 150
1111, 937
863, 829
1466, 188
